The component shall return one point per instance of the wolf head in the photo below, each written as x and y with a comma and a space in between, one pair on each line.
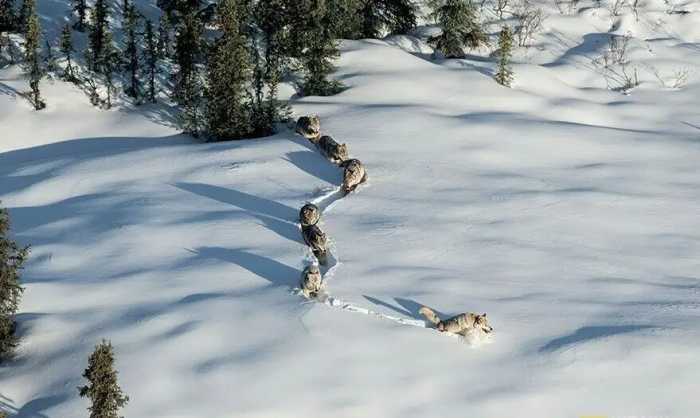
309, 215
342, 152
309, 126
482, 323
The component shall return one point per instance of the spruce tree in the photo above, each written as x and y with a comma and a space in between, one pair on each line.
8, 19
269, 43
164, 43
320, 49
81, 8
99, 32
504, 76
106, 397
151, 60
108, 66
132, 49
460, 28
66, 46
31, 58
27, 9
12, 258
379, 16
188, 84
228, 76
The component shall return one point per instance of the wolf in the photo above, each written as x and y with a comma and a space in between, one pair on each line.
334, 151
310, 128
460, 324
311, 281
353, 176
317, 240
309, 215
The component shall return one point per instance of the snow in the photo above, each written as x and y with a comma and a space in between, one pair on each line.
566, 211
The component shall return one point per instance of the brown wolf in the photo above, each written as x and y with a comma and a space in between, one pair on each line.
353, 176
309, 127
309, 215
460, 324
311, 281
317, 240
334, 151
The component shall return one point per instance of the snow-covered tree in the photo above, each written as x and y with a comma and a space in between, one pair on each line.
228, 76
164, 40
188, 81
99, 32
31, 58
81, 8
131, 23
380, 16
12, 257
460, 26
66, 45
504, 76
151, 60
109, 66
106, 397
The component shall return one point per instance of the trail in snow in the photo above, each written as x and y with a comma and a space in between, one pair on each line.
325, 201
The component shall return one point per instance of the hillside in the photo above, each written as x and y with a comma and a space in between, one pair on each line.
563, 207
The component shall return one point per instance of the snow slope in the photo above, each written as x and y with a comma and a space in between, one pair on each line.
566, 211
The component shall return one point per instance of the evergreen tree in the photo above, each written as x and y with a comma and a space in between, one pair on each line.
228, 76
81, 8
151, 59
164, 43
379, 16
504, 76
320, 49
106, 397
8, 19
31, 58
27, 9
109, 65
460, 28
99, 32
269, 44
66, 46
188, 84
132, 49
12, 257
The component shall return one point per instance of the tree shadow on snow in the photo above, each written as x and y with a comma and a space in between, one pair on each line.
585, 334
34, 408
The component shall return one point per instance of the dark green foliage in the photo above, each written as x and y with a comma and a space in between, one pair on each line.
27, 9
106, 397
269, 42
151, 60
460, 28
99, 33
31, 58
380, 16
108, 67
81, 8
320, 48
164, 41
188, 84
8, 20
12, 257
504, 76
228, 75
66, 45
131, 23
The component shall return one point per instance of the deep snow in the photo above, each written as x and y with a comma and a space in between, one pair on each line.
566, 211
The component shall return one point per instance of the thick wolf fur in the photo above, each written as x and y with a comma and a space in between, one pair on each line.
460, 324
309, 127
309, 215
317, 240
334, 151
353, 175
311, 281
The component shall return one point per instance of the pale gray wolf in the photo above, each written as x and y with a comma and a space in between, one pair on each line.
309, 215
460, 324
334, 151
353, 176
311, 281
309, 127
316, 239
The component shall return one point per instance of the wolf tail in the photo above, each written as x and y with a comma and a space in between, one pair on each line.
429, 314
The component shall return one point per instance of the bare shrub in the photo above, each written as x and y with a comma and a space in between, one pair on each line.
615, 65
530, 20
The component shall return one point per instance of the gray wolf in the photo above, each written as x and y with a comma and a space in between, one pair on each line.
353, 175
460, 324
317, 240
309, 215
311, 281
334, 151
309, 127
